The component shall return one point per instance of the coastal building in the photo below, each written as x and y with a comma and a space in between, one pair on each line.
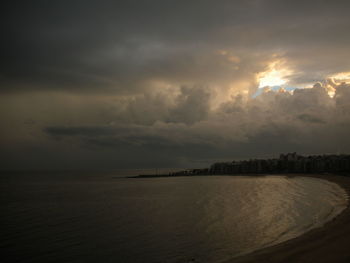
286, 163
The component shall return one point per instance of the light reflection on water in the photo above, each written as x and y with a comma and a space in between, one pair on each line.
206, 219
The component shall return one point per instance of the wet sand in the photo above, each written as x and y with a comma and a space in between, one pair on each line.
330, 243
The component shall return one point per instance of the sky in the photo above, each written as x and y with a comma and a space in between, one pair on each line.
176, 84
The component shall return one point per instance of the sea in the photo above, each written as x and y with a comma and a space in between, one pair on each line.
107, 217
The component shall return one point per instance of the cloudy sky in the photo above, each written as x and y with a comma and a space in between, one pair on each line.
160, 83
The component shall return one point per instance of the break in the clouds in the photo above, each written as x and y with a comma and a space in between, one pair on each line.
108, 84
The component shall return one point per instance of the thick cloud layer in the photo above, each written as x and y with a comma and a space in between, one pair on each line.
162, 130
90, 84
307, 118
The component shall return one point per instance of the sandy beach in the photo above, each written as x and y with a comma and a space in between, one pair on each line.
330, 243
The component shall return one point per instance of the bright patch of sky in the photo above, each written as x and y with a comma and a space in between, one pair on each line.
272, 78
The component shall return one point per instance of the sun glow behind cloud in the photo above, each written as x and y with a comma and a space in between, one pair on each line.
341, 77
272, 78
336, 80
275, 76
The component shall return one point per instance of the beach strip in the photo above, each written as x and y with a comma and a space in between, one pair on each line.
329, 243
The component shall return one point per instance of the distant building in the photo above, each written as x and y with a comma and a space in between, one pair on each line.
286, 163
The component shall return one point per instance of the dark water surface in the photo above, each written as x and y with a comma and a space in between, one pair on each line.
77, 218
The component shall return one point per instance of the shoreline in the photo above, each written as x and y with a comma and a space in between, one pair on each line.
327, 244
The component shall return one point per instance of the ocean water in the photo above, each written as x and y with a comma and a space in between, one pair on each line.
70, 217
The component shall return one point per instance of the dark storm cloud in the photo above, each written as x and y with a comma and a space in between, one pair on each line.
118, 46
169, 83
309, 118
79, 131
308, 121
138, 135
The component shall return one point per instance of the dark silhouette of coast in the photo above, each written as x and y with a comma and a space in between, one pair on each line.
290, 163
